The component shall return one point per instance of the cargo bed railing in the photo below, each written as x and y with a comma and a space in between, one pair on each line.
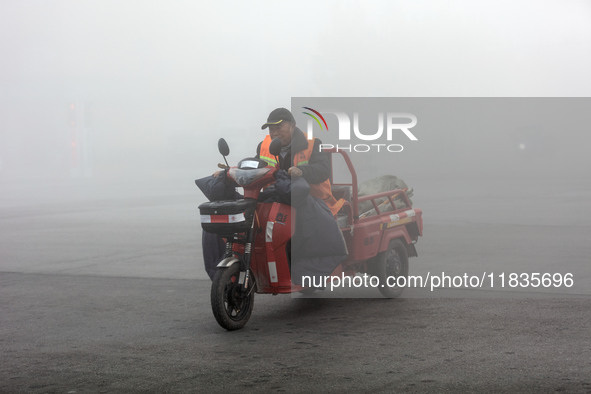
391, 195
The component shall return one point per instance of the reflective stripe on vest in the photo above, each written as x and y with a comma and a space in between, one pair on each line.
270, 160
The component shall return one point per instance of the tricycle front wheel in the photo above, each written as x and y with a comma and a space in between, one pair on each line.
389, 266
231, 306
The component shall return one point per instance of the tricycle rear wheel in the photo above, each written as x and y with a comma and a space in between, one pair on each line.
231, 306
392, 263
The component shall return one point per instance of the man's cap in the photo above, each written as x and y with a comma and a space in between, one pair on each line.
277, 116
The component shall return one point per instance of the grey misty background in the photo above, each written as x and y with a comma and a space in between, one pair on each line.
160, 82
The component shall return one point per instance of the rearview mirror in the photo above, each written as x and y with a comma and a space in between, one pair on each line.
223, 147
275, 147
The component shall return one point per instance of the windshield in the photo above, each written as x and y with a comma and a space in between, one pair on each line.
246, 177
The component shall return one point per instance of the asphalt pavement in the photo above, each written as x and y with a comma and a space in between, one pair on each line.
105, 292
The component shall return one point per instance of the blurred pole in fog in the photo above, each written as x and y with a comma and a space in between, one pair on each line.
79, 135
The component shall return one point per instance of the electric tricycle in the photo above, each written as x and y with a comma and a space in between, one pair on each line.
257, 236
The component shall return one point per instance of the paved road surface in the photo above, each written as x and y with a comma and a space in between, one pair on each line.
106, 293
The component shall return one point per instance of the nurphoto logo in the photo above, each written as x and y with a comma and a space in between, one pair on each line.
397, 124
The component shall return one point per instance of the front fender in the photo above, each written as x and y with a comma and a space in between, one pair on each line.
228, 261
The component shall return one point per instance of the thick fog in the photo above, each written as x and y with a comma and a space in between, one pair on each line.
121, 91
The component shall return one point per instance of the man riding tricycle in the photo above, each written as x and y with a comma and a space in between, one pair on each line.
289, 235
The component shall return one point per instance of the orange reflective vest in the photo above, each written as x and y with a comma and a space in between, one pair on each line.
319, 190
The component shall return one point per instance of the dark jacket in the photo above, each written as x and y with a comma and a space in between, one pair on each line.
317, 246
318, 168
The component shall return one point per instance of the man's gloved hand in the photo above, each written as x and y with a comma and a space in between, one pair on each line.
295, 172
293, 190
